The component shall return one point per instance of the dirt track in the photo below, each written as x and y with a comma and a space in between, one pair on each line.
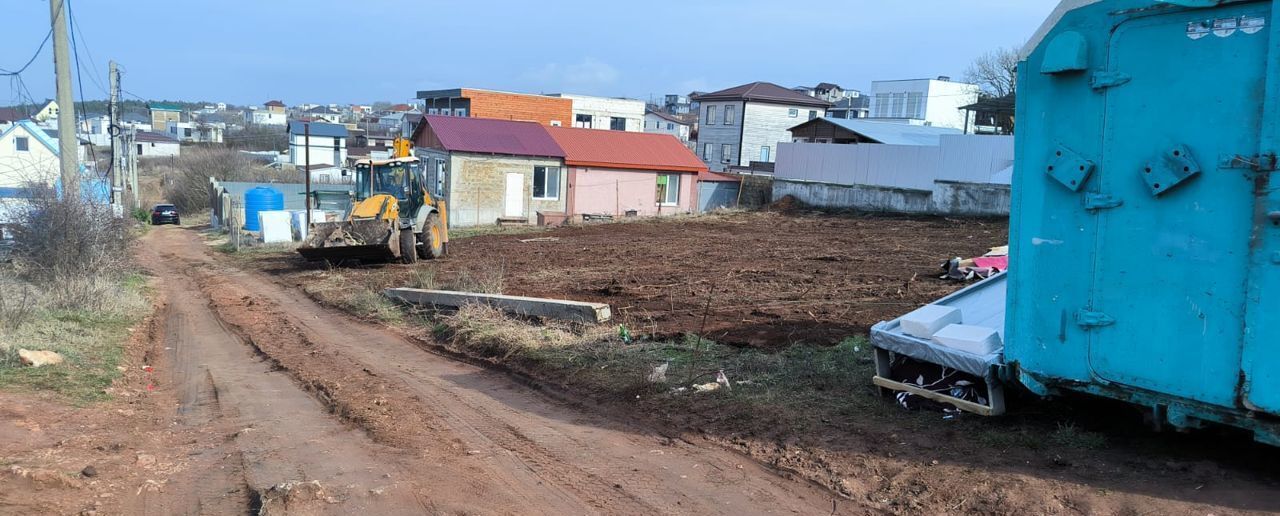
303, 394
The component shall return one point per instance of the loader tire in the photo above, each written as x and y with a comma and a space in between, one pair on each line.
408, 247
431, 238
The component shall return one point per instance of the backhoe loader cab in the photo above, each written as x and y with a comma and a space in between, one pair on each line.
393, 217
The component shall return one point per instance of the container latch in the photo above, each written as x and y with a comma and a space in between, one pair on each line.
1170, 169
1069, 168
1089, 319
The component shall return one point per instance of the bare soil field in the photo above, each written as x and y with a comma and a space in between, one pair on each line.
753, 279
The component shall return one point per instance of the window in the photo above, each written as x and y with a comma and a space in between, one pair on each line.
432, 111
711, 115
915, 105
728, 115
546, 183
617, 124
671, 126
140, 149
764, 154
793, 112
186, 132
706, 152
726, 151
668, 189
555, 123
582, 121
813, 114
22, 143
459, 112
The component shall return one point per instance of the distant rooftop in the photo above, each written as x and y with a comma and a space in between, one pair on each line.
763, 92
889, 133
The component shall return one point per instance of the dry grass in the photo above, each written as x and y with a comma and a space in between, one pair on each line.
487, 331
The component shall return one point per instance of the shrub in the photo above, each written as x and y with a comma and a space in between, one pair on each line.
186, 179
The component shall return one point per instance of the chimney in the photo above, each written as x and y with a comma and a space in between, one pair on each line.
944, 78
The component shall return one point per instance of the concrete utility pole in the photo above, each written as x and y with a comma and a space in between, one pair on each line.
132, 159
68, 147
306, 131
117, 146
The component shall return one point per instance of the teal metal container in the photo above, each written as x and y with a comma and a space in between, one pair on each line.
261, 198
1145, 240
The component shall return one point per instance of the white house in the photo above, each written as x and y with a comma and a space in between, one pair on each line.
935, 102
328, 144
272, 112
95, 129
195, 132
661, 122
154, 145
606, 113
28, 154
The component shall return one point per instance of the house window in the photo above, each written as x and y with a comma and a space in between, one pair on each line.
555, 123
793, 112
582, 121
671, 126
617, 124
711, 115
764, 154
22, 143
140, 149
432, 111
706, 152
726, 151
668, 189
186, 132
813, 114
728, 115
546, 183
459, 112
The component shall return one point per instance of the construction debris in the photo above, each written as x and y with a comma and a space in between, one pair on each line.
995, 261
541, 239
39, 358
574, 311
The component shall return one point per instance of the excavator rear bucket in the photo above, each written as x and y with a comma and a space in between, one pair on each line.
351, 240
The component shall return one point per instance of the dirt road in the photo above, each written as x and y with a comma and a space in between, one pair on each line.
295, 393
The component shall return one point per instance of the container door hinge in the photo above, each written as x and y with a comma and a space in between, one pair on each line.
1089, 319
1097, 201
1104, 80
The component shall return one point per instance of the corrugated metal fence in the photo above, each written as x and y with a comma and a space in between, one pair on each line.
966, 158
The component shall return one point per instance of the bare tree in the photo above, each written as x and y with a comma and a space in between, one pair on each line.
996, 72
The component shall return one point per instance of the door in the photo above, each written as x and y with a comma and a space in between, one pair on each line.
1168, 284
514, 205
1261, 365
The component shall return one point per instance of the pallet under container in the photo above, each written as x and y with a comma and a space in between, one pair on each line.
1145, 235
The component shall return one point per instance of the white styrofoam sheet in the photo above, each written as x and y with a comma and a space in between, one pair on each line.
275, 226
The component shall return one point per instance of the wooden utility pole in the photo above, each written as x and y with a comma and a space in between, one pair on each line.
68, 148
117, 145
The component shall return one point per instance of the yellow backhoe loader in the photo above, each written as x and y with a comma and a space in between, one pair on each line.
393, 216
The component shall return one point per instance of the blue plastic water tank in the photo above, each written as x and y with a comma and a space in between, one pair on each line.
262, 198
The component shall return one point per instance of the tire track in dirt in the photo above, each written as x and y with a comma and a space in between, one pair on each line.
569, 462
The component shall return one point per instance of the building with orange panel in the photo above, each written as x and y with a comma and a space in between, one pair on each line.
502, 105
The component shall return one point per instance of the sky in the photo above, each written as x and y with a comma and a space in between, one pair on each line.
343, 51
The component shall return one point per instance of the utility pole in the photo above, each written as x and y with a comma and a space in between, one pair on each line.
68, 147
132, 159
306, 140
117, 145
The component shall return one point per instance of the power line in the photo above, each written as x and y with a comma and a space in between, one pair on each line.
75, 27
39, 49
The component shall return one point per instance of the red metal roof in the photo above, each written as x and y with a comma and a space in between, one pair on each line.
625, 150
12, 115
490, 136
707, 175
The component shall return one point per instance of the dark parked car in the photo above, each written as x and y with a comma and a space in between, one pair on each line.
164, 214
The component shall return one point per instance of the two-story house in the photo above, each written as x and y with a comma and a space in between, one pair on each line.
327, 143
163, 112
744, 123
657, 121
272, 113
502, 105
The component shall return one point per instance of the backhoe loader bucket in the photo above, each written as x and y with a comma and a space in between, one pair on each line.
371, 239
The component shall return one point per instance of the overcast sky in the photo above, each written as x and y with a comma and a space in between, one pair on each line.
249, 51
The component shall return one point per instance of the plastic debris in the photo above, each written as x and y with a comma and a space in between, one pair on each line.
659, 374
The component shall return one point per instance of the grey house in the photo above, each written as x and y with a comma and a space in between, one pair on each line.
745, 123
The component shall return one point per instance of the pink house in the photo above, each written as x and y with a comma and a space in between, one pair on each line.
621, 173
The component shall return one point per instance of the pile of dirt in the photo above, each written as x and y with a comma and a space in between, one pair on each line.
788, 204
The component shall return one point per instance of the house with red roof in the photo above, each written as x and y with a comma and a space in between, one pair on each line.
621, 174
492, 171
